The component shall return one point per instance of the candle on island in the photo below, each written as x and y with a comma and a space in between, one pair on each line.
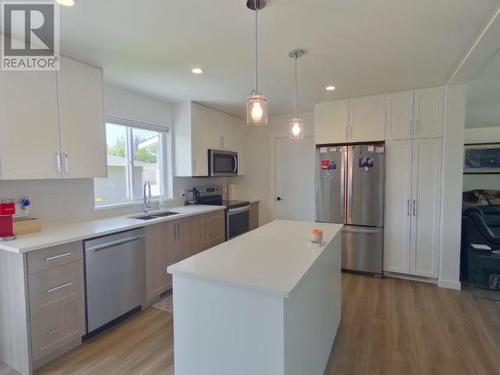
317, 236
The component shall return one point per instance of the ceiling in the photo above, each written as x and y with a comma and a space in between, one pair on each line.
362, 47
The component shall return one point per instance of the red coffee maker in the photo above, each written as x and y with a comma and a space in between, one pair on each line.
7, 211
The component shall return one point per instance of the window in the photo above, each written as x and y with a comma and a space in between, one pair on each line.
136, 153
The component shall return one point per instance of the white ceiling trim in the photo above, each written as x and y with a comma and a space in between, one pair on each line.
486, 46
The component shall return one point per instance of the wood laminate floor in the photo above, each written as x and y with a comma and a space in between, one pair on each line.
389, 326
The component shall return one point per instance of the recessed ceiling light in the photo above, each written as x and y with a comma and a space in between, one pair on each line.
330, 88
66, 3
197, 71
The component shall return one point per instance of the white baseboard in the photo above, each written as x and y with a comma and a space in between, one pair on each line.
403, 276
450, 284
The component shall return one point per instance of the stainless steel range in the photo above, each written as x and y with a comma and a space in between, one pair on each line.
237, 212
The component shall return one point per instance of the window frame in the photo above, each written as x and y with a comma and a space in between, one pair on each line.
164, 163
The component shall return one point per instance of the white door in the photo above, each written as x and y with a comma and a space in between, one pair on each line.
426, 210
399, 109
81, 111
294, 179
367, 119
398, 206
29, 125
429, 112
331, 120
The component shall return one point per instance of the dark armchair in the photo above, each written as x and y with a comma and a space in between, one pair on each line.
480, 229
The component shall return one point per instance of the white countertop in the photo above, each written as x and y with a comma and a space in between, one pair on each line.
272, 259
62, 234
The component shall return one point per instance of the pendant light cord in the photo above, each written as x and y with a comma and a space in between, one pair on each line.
296, 88
256, 3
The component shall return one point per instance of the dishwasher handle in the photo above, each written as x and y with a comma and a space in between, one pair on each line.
113, 243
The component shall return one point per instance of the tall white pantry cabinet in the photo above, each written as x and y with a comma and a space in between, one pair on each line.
413, 134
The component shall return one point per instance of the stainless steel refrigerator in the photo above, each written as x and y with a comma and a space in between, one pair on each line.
350, 190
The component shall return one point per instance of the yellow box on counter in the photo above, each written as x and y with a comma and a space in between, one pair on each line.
27, 225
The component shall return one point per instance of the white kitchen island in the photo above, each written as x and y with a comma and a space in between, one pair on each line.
267, 302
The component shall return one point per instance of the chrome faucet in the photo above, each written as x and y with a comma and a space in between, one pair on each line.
146, 196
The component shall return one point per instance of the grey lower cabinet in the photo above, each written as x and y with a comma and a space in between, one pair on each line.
254, 215
42, 292
56, 300
172, 241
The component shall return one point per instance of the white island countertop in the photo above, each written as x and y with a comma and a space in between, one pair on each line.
61, 234
272, 259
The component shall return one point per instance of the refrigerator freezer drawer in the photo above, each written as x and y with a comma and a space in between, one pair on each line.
362, 249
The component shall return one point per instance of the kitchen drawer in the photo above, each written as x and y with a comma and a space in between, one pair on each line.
57, 325
55, 284
41, 260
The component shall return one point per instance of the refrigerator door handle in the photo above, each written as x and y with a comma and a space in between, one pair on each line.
414, 207
342, 181
349, 229
409, 207
349, 183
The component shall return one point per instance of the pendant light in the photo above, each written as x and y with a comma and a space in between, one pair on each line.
256, 103
296, 124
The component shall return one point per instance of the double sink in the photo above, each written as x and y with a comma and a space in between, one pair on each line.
155, 216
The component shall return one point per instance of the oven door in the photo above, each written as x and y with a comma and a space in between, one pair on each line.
237, 221
222, 163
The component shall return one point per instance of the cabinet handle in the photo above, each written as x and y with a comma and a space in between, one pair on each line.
55, 257
414, 207
408, 204
59, 287
66, 165
58, 161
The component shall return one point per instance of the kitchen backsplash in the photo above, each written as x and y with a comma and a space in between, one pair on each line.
63, 201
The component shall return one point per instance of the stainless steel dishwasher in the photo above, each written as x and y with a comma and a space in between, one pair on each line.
115, 276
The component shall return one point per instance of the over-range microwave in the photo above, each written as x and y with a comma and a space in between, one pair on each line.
222, 163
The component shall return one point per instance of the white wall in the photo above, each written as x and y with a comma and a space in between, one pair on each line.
62, 201
451, 214
259, 182
482, 135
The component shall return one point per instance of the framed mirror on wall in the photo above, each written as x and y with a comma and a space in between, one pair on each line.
482, 158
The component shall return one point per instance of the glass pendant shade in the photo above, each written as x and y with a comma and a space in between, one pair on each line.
257, 113
296, 128
296, 124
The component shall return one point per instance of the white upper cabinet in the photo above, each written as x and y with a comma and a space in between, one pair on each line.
29, 128
429, 112
367, 119
399, 109
198, 129
415, 114
353, 120
51, 124
83, 138
331, 122
398, 116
